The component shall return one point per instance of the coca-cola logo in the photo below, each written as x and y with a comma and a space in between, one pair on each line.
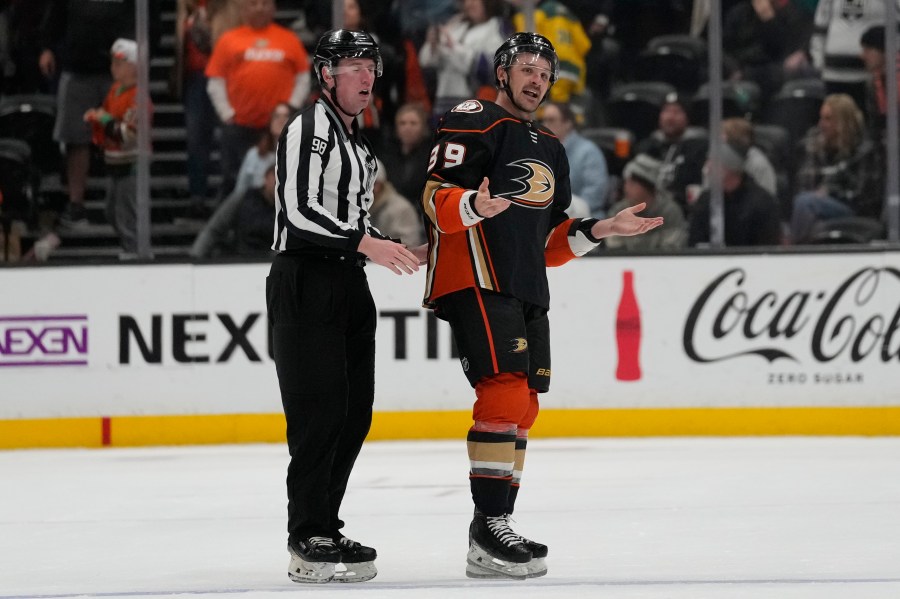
856, 320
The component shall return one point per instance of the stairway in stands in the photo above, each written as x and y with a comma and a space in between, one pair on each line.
171, 231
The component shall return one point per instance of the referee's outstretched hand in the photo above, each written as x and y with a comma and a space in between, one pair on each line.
485, 205
389, 254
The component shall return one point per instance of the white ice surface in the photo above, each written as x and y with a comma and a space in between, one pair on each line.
774, 518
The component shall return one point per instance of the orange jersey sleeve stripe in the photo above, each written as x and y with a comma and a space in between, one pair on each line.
446, 200
558, 251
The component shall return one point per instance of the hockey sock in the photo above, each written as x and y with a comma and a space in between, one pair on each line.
502, 402
492, 453
519, 465
525, 425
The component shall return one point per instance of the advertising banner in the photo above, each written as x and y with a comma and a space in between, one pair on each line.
638, 332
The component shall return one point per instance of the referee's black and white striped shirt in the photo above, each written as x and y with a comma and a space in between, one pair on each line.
325, 182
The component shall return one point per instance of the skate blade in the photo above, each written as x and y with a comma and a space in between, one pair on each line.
480, 564
355, 572
310, 572
536, 568
533, 569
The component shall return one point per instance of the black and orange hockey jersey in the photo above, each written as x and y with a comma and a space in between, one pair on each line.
509, 252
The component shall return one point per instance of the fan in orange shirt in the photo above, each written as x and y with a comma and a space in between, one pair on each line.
252, 68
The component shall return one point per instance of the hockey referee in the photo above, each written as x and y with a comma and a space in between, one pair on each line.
319, 305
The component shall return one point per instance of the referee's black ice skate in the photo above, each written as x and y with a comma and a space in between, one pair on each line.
495, 550
313, 559
357, 561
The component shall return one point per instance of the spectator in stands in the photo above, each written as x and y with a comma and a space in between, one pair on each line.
462, 50
766, 42
739, 133
872, 42
840, 174
255, 218
114, 127
640, 176
417, 16
252, 68
76, 37
217, 233
752, 215
393, 214
588, 174
200, 24
556, 22
360, 15
406, 154
834, 45
390, 88
602, 60
409, 84
681, 149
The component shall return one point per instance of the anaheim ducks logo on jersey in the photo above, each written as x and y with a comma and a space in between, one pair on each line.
468, 106
537, 184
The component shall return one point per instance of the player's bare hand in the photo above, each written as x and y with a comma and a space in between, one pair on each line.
626, 223
487, 206
389, 254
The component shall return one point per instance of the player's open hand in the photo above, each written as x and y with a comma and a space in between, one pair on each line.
487, 206
389, 254
626, 223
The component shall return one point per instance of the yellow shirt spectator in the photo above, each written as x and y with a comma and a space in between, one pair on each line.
555, 22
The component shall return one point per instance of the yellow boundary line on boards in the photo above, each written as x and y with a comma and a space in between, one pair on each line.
136, 431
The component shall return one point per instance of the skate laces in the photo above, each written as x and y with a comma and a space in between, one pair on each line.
322, 543
348, 542
499, 525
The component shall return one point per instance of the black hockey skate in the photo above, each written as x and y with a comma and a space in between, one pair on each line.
495, 550
313, 559
535, 568
357, 561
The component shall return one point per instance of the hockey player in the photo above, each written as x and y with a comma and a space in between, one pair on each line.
495, 199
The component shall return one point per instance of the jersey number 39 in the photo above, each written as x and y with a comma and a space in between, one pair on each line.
453, 155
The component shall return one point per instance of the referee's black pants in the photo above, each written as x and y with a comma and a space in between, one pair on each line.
323, 334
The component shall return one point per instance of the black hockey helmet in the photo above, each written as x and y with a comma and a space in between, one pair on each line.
343, 43
532, 43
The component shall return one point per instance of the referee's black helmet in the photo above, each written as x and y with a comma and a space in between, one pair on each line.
531, 43
343, 43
